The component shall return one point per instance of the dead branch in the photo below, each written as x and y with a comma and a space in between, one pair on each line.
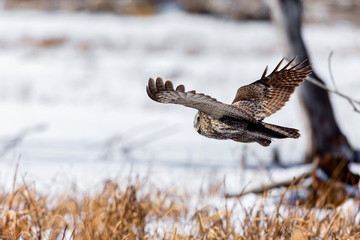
263, 189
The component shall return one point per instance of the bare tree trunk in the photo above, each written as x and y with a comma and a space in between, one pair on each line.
328, 147
325, 136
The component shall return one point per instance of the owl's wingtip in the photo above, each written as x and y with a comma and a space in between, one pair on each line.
265, 71
152, 89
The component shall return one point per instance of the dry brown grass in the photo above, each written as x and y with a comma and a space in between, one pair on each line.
132, 212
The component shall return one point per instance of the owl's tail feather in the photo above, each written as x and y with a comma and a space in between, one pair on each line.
269, 131
281, 132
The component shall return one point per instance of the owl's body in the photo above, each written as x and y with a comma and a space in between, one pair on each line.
241, 131
240, 121
221, 129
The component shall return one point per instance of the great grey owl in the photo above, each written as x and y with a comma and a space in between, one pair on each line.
240, 121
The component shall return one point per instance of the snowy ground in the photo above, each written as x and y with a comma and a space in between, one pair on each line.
74, 86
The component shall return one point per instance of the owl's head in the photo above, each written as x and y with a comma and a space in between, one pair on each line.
197, 122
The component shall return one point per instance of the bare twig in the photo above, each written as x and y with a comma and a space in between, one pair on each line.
18, 138
330, 69
353, 102
151, 137
64, 232
127, 143
350, 100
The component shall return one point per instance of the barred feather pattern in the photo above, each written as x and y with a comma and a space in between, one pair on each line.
165, 93
288, 132
270, 93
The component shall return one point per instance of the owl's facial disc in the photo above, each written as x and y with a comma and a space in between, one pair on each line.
197, 122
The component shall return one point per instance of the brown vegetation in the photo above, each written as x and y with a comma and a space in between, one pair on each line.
132, 212
316, 10
44, 43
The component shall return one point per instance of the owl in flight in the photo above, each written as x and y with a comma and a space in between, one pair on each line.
241, 121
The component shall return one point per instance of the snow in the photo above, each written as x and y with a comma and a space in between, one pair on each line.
87, 93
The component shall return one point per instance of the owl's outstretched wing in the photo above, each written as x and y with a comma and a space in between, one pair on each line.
269, 94
165, 93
